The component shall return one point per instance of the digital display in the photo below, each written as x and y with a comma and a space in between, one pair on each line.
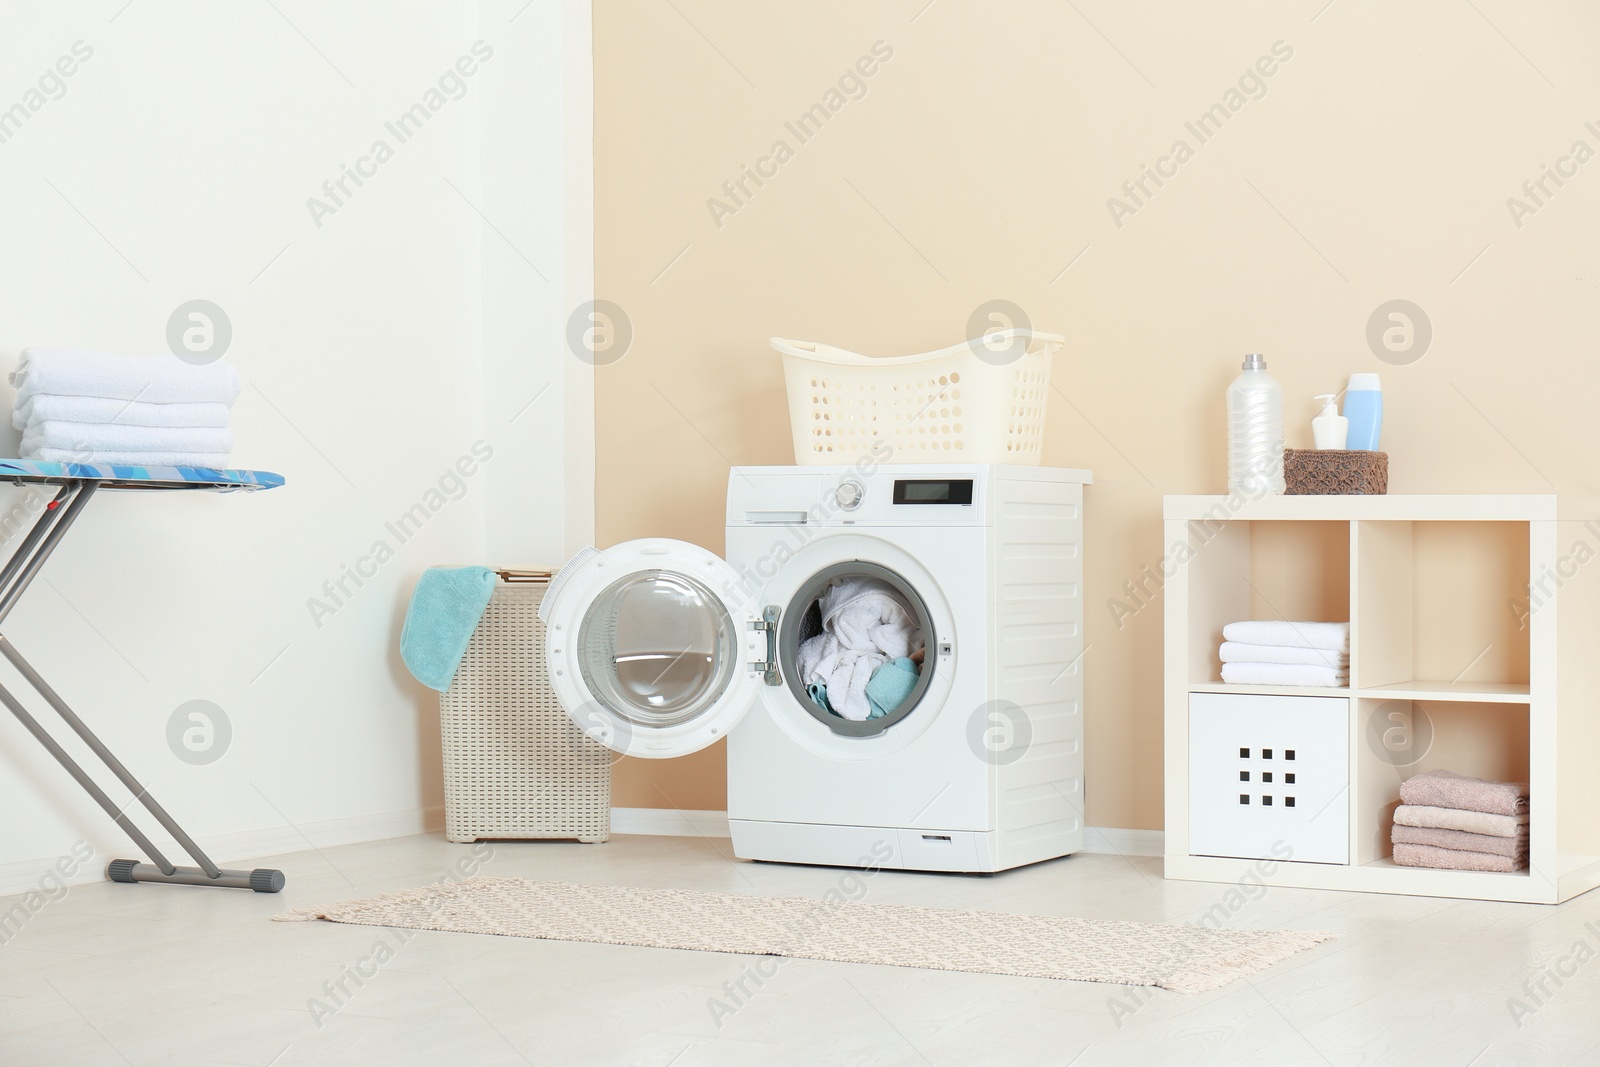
933, 491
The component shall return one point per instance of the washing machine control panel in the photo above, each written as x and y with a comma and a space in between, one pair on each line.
872, 493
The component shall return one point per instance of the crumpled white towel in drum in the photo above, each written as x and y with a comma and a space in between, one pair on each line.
865, 624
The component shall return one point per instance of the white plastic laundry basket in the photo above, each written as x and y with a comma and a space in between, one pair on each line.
981, 401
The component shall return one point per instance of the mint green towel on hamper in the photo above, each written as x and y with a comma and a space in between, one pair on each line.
445, 608
889, 686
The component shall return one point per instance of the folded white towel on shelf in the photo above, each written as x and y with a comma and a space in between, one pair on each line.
99, 437
150, 379
1238, 652
1284, 674
216, 461
48, 407
1333, 636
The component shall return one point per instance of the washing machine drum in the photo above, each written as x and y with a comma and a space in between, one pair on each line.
656, 649
802, 620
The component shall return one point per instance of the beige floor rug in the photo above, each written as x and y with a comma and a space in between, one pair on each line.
1184, 958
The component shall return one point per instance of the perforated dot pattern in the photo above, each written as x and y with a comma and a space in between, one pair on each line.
955, 408
515, 765
1025, 419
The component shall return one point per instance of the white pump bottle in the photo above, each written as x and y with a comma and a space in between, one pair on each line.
1330, 429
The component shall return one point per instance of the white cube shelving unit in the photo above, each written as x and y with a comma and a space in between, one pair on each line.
1475, 647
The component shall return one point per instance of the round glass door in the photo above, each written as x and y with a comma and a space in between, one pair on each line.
657, 648
647, 650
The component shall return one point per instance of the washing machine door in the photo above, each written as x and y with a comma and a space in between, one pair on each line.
652, 647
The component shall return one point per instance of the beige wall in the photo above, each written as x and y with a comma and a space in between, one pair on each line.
1376, 165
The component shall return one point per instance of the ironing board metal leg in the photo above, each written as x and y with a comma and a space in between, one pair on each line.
18, 573
52, 512
84, 780
98, 747
47, 545
260, 880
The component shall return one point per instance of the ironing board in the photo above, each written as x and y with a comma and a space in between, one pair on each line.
77, 484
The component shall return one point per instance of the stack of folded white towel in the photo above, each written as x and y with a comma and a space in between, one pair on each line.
1273, 652
136, 411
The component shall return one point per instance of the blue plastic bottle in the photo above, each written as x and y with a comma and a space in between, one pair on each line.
1363, 406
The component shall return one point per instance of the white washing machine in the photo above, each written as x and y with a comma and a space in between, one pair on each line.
659, 648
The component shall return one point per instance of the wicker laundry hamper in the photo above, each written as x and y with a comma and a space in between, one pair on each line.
515, 765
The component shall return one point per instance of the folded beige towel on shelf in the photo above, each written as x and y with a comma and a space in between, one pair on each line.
1515, 847
1472, 822
1445, 789
1453, 860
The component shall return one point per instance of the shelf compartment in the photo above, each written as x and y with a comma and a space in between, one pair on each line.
1261, 570
1437, 600
1395, 738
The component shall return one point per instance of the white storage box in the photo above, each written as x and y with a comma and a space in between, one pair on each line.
515, 764
981, 401
1269, 777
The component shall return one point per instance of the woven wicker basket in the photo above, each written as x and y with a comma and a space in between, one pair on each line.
515, 765
1335, 472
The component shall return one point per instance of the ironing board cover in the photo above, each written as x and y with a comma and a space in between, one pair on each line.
23, 471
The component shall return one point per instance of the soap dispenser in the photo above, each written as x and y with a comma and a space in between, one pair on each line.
1330, 429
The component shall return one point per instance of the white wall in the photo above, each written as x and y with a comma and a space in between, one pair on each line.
177, 165
538, 265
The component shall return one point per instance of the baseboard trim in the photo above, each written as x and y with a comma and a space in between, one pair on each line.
23, 876
672, 822
669, 822
1116, 841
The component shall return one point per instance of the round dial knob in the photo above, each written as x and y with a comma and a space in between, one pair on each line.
849, 495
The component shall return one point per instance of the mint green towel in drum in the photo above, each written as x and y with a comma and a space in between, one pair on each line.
445, 608
889, 686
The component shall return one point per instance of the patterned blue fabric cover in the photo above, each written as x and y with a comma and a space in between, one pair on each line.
32, 470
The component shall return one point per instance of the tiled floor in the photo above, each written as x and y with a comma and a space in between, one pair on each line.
113, 974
